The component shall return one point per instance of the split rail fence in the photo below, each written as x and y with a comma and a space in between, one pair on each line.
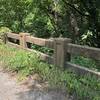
63, 49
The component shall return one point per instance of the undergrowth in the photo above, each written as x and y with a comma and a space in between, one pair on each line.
86, 62
79, 60
24, 63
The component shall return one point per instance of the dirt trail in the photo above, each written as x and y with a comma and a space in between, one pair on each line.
11, 90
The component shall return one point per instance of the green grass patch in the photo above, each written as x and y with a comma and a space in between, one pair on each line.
43, 49
86, 62
25, 64
79, 60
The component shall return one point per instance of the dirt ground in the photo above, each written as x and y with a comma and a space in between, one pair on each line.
10, 89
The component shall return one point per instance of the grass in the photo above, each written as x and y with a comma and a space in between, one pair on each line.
42, 49
86, 62
25, 64
79, 60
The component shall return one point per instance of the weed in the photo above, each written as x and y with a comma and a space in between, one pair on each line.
86, 62
24, 63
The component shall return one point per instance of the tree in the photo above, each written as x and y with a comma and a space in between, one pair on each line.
54, 18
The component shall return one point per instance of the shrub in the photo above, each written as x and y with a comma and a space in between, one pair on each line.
3, 31
86, 62
24, 63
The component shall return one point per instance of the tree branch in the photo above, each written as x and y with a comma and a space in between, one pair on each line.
46, 12
73, 7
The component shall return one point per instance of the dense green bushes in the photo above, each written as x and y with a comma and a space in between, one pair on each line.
25, 64
54, 18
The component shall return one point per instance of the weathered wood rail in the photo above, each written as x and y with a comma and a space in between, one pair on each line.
63, 49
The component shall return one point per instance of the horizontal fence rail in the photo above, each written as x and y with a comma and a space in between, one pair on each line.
42, 56
85, 51
81, 70
13, 35
41, 42
63, 49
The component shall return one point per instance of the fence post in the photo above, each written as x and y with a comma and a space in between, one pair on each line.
60, 54
4, 38
23, 42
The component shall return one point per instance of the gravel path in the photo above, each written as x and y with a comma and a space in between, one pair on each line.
11, 90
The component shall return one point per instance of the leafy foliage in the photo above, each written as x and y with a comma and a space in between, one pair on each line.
86, 62
81, 87
43, 49
3, 31
53, 18
76, 19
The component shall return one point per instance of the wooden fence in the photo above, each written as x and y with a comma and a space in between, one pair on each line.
63, 49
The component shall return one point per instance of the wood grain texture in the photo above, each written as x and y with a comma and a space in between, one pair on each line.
13, 45
42, 56
60, 55
41, 42
13, 35
85, 51
81, 70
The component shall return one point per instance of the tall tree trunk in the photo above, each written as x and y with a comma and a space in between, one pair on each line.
74, 26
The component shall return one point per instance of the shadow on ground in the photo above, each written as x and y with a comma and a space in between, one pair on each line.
42, 95
27, 90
